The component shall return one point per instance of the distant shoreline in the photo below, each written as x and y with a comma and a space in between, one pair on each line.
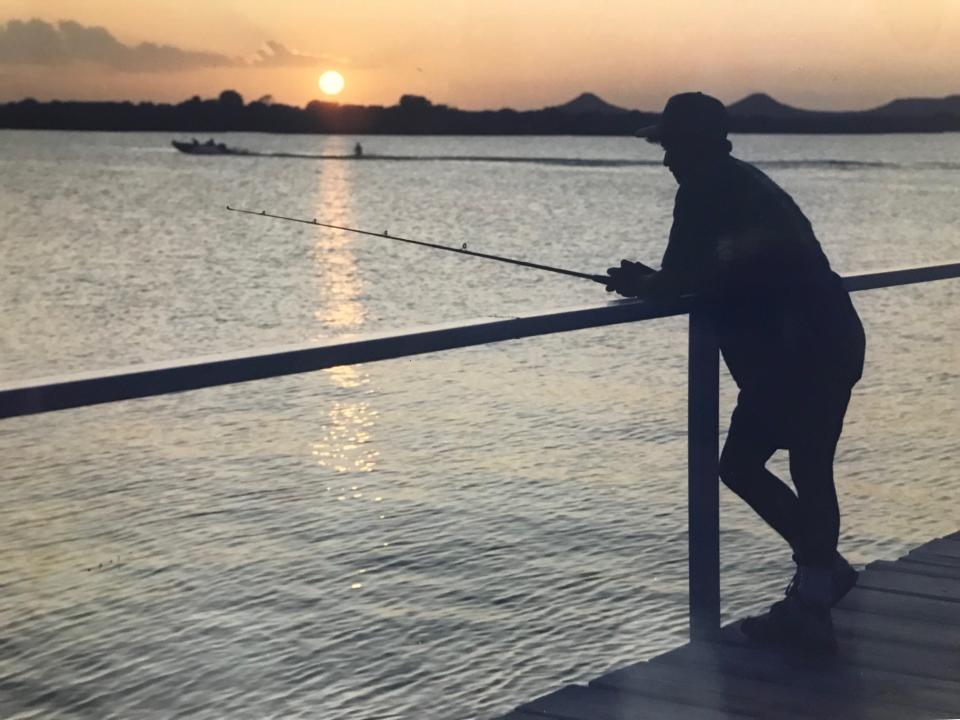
586, 115
205, 133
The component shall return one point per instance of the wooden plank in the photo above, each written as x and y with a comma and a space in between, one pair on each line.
817, 677
910, 584
853, 624
575, 702
853, 658
696, 686
898, 635
745, 695
919, 556
899, 606
916, 568
936, 663
947, 548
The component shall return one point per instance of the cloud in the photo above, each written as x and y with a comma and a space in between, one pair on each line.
36, 42
41, 43
278, 55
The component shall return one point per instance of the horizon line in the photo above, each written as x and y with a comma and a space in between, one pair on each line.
614, 106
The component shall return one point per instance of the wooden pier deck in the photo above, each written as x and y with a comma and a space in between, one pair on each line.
898, 632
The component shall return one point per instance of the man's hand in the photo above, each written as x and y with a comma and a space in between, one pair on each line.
629, 279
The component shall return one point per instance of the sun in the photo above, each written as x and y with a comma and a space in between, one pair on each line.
331, 82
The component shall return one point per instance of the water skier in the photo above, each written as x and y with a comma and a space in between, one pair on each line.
790, 337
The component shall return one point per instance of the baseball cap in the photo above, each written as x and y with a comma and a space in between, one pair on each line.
689, 116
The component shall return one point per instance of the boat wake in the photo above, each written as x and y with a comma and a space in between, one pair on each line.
826, 163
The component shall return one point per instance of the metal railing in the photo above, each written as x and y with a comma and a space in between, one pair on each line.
80, 390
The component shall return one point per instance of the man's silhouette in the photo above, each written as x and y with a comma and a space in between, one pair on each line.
789, 336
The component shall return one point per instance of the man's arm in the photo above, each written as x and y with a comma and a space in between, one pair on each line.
683, 261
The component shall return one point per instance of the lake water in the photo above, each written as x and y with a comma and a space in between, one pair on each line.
445, 536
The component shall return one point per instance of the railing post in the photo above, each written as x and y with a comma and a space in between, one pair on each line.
703, 409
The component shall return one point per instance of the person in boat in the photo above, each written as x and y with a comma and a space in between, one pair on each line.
358, 150
789, 335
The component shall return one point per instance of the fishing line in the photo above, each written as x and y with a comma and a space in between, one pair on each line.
603, 279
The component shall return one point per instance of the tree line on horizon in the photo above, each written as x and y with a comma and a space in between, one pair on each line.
416, 115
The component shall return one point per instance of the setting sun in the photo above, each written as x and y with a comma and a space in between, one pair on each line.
331, 82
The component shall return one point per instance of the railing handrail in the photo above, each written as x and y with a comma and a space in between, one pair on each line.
703, 507
91, 388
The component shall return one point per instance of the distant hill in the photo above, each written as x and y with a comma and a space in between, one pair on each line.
760, 113
586, 114
771, 113
589, 103
919, 107
762, 105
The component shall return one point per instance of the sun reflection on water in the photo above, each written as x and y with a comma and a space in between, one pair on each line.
339, 285
346, 443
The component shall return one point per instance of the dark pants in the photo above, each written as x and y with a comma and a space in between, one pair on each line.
807, 422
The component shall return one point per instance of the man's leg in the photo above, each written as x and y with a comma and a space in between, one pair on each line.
811, 469
743, 470
802, 619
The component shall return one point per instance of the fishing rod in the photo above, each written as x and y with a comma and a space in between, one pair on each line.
603, 279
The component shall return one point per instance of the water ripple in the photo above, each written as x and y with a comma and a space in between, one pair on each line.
439, 537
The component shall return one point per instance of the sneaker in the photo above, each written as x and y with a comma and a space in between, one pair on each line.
844, 579
794, 623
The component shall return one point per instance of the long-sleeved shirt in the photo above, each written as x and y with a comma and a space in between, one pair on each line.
740, 242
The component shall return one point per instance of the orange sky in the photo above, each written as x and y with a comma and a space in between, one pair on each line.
490, 53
